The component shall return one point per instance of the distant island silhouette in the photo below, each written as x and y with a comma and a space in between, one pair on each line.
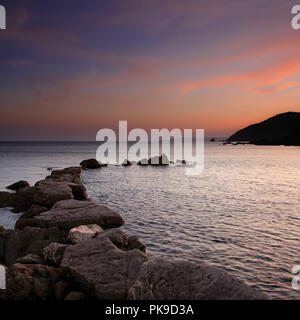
282, 129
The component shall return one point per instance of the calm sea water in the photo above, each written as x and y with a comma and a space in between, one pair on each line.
241, 214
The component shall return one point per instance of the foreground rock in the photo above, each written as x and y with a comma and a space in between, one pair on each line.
82, 233
162, 279
18, 185
68, 214
101, 269
90, 164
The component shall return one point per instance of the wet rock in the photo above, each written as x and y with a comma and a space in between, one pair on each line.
162, 279
18, 185
75, 296
102, 269
70, 214
126, 163
31, 282
155, 161
30, 259
53, 253
82, 233
61, 289
90, 164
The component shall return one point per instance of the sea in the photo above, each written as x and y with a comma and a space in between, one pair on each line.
241, 214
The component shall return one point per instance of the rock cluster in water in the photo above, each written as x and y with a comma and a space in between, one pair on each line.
68, 247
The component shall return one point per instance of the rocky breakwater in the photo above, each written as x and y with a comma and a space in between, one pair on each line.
68, 247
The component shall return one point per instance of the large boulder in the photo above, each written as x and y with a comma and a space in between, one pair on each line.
90, 164
82, 233
18, 185
101, 269
162, 279
31, 282
70, 214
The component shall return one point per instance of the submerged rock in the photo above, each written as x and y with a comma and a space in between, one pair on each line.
82, 233
68, 214
162, 279
90, 164
126, 163
18, 185
155, 161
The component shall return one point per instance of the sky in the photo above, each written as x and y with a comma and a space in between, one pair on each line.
69, 68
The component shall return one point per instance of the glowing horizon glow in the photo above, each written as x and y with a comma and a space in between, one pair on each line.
68, 71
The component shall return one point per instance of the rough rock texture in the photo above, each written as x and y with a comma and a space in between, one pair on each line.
82, 233
53, 253
31, 282
18, 185
90, 164
19, 243
102, 269
31, 259
70, 214
162, 279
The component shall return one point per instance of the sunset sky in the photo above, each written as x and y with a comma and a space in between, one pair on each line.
70, 68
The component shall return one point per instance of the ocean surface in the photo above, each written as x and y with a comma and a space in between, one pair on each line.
242, 214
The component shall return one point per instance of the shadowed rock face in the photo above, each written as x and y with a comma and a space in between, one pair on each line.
102, 269
18, 185
68, 214
282, 129
60, 185
17, 244
162, 279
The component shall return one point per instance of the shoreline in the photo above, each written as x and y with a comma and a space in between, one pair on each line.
45, 262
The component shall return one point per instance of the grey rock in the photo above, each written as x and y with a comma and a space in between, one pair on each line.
162, 279
84, 232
